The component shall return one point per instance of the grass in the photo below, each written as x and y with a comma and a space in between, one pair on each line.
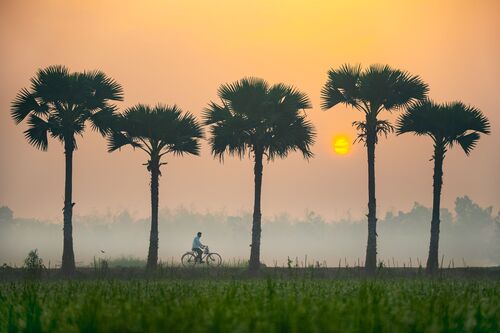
251, 305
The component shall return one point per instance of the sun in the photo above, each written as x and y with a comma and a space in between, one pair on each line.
341, 145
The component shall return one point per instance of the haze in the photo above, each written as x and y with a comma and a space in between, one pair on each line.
181, 51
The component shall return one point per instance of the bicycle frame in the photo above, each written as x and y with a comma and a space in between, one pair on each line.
204, 255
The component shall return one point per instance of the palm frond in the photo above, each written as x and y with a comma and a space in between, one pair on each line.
467, 142
36, 134
117, 140
383, 86
52, 84
360, 127
299, 135
103, 89
342, 87
467, 118
448, 124
407, 89
103, 120
421, 118
185, 138
232, 136
245, 96
382, 127
26, 103
215, 113
186, 145
288, 97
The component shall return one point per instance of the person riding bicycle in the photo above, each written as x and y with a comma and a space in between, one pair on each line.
197, 247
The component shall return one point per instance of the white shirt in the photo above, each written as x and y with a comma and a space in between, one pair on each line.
196, 243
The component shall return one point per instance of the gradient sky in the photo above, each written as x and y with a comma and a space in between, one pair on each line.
181, 51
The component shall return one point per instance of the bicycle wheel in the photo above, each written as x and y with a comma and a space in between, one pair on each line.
188, 259
214, 259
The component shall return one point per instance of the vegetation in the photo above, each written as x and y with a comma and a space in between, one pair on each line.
262, 120
158, 131
129, 261
371, 91
470, 236
253, 117
60, 104
446, 124
33, 265
272, 305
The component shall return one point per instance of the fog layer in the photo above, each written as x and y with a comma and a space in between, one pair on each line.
470, 235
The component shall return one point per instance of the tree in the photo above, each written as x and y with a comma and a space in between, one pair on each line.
447, 125
256, 118
371, 91
60, 104
158, 131
6, 214
468, 212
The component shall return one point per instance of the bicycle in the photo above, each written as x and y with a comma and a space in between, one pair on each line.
189, 259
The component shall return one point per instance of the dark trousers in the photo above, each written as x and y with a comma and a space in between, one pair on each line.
199, 252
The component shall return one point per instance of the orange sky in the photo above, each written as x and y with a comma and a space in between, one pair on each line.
181, 51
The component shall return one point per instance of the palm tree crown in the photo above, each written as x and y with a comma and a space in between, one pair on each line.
60, 103
157, 130
371, 91
447, 124
255, 116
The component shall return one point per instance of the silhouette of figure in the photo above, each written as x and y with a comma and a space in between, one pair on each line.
197, 247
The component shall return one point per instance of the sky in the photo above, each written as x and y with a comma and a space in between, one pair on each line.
180, 52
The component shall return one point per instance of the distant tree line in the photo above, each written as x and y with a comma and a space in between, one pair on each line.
471, 234
252, 118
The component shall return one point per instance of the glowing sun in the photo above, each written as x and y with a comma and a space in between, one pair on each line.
341, 145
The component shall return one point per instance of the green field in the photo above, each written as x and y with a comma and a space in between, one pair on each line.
251, 305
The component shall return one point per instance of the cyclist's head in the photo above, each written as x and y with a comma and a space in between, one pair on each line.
199, 234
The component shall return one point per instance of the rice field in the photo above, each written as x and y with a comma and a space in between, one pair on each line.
251, 305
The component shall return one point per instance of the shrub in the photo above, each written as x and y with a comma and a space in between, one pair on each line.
33, 265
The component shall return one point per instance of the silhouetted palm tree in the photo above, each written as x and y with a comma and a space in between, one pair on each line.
446, 124
371, 91
158, 131
59, 104
262, 120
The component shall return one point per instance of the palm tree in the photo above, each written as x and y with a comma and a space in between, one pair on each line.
371, 91
256, 118
158, 131
446, 124
60, 103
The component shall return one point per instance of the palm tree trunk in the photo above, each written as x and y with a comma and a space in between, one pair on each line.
371, 246
254, 264
68, 257
433, 259
152, 262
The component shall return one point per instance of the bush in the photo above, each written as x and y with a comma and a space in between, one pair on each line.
33, 265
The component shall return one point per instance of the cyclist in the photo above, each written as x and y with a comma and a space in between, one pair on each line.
197, 247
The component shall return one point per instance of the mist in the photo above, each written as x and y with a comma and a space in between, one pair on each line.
470, 235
